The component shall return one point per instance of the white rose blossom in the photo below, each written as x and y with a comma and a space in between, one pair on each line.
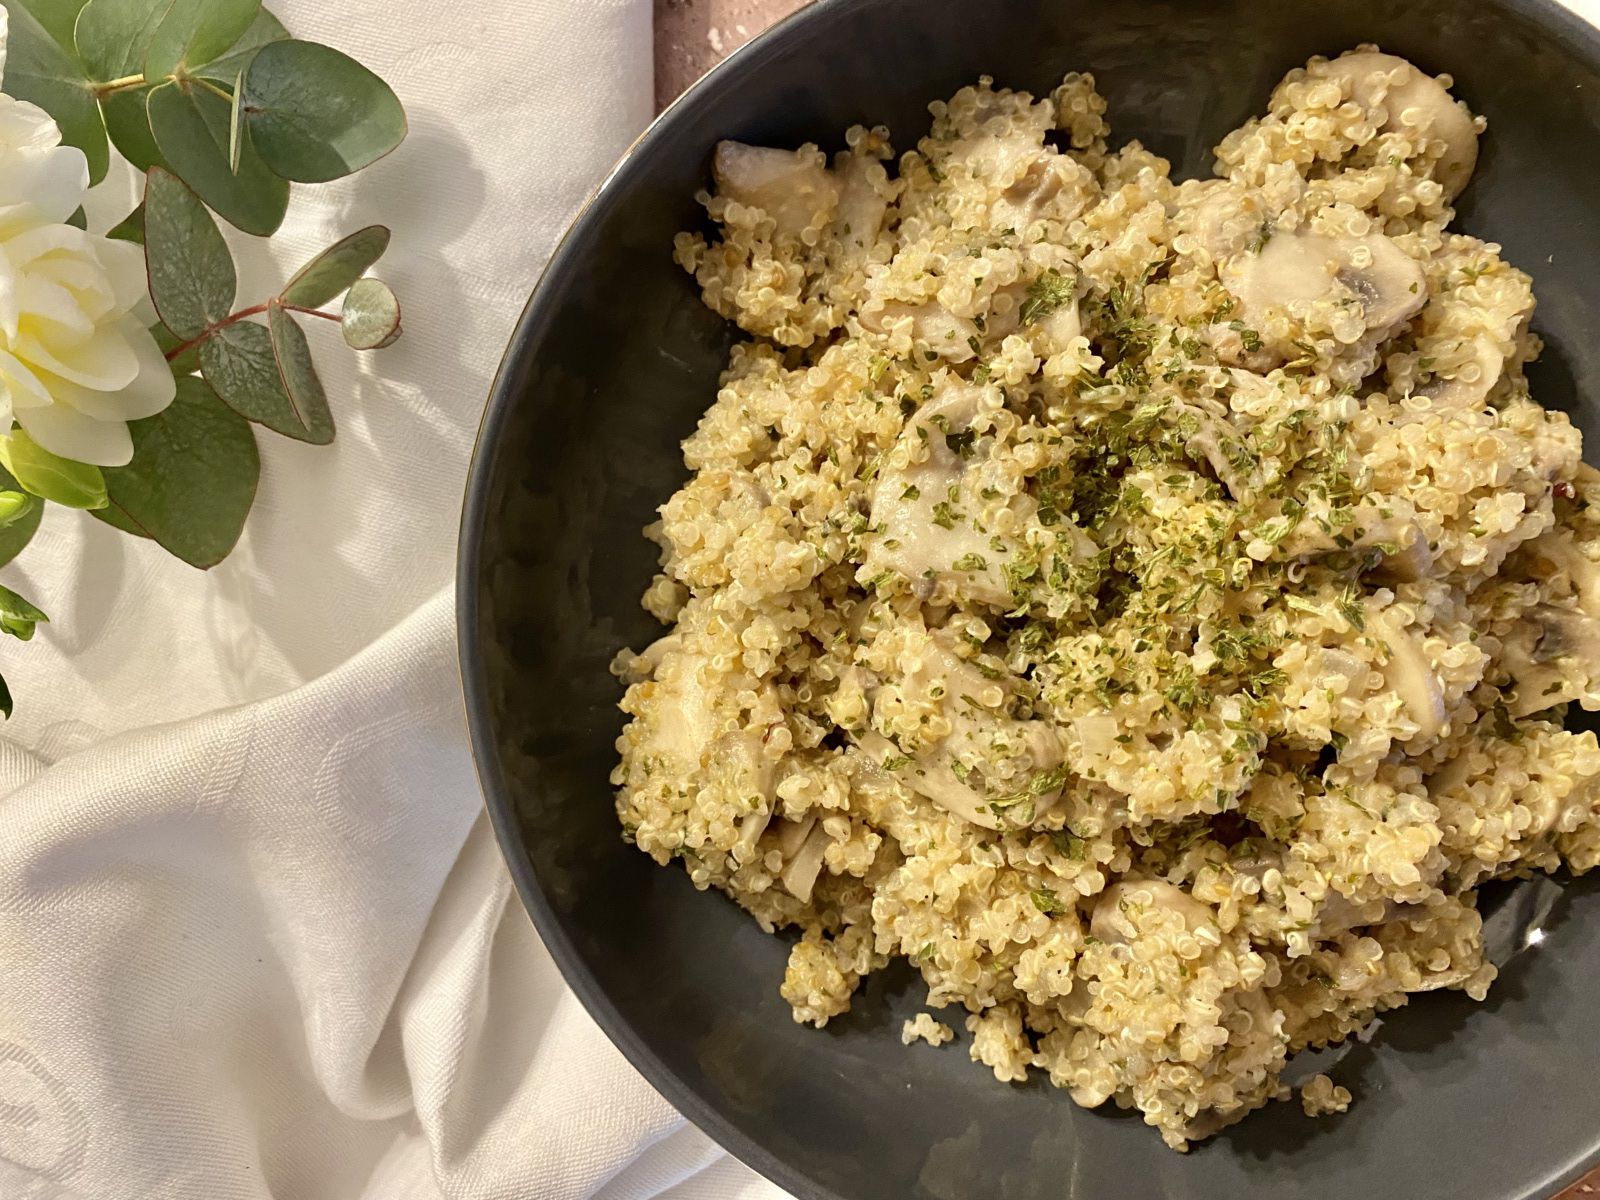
76, 362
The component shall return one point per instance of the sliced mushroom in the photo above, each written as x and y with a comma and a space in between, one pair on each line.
1057, 329
739, 758
799, 876
793, 187
1472, 382
682, 719
1338, 914
1230, 347
1295, 270
858, 219
1389, 529
1584, 572
789, 835
957, 772
1412, 558
1553, 658
1410, 675
1341, 664
1212, 440
927, 514
1224, 218
1054, 185
933, 327
1404, 100
1113, 920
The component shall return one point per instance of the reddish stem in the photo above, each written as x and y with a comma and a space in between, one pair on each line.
234, 318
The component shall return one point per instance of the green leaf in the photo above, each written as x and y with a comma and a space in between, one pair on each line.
192, 276
20, 525
111, 37
300, 375
242, 363
332, 272
41, 68
71, 484
17, 616
236, 126
186, 363
371, 317
191, 128
192, 479
316, 114
14, 506
193, 32
79, 219
6, 705
57, 16
130, 228
128, 122
263, 32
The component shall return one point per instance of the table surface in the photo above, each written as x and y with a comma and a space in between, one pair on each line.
692, 36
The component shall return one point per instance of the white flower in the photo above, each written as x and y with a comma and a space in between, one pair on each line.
76, 362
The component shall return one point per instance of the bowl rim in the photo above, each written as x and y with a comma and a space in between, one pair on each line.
1554, 17
491, 781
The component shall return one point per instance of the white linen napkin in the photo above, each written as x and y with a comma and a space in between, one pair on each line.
255, 936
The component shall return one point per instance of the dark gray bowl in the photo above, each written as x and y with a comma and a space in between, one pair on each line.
613, 362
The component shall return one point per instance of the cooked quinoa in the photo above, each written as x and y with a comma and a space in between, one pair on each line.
926, 1028
1149, 608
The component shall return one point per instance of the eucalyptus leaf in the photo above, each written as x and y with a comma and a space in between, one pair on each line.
42, 69
236, 126
118, 519
300, 374
242, 364
331, 273
128, 122
186, 363
111, 37
193, 32
265, 30
192, 479
192, 276
59, 480
371, 318
316, 114
17, 616
130, 228
58, 17
19, 526
191, 129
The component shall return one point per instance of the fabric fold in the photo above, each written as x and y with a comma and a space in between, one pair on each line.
257, 939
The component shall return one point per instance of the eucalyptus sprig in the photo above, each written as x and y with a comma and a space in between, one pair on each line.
216, 91
222, 111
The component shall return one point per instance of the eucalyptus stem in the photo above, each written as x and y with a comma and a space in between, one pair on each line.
112, 86
209, 86
254, 310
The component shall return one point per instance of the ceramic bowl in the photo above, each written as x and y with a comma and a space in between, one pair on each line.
612, 364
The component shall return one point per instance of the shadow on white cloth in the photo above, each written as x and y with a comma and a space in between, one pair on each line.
256, 936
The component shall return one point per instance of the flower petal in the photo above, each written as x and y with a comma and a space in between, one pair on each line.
104, 362
124, 267
26, 388
48, 178
67, 432
149, 393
